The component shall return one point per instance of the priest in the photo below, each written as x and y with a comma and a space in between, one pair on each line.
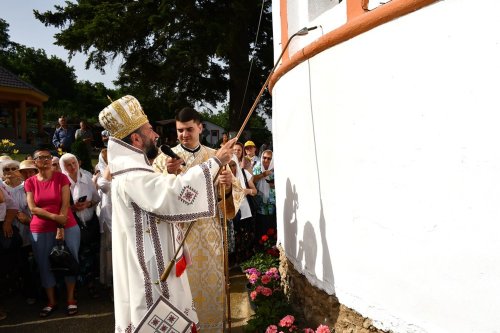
148, 212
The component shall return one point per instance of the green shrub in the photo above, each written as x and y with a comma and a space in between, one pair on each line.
81, 151
261, 261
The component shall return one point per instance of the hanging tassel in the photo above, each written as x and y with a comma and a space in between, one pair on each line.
180, 266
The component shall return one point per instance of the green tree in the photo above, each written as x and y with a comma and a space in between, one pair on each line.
52, 75
175, 52
256, 126
90, 99
4, 34
79, 149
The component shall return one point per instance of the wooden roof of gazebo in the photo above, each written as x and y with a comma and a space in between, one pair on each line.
16, 96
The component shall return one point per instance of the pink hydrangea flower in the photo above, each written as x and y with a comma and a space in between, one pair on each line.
252, 278
308, 330
287, 321
266, 279
253, 295
323, 329
266, 291
273, 270
272, 329
253, 270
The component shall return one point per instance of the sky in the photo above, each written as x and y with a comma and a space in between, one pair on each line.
26, 30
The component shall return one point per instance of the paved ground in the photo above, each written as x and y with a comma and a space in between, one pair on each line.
240, 305
96, 315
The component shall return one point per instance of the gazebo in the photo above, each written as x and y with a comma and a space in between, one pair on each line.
16, 97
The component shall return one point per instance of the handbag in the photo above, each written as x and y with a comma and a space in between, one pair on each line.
89, 231
61, 259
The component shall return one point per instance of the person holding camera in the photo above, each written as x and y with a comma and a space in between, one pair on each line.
263, 176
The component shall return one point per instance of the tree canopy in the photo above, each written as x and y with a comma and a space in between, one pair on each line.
52, 75
175, 52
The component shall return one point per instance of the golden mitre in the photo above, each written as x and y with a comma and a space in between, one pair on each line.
123, 116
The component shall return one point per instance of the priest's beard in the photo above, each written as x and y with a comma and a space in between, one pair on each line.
150, 150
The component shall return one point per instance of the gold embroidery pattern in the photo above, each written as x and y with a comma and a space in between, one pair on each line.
206, 274
123, 116
108, 121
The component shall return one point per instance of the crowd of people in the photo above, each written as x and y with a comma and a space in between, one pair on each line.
110, 217
44, 198
47, 198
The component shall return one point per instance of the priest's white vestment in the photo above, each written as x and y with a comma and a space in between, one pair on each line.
147, 216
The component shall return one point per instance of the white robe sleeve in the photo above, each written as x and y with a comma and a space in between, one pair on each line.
181, 198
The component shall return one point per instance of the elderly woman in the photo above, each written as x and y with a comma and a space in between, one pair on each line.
3, 314
55, 164
14, 183
27, 168
85, 199
263, 176
104, 213
48, 196
10, 239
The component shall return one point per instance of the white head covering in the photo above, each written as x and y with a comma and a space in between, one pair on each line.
101, 165
64, 158
262, 185
239, 172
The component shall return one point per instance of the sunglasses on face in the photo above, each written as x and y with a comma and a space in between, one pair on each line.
267, 158
9, 169
44, 157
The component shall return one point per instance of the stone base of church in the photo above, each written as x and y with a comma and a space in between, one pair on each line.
317, 307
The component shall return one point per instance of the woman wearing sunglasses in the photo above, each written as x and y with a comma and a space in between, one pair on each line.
14, 182
48, 196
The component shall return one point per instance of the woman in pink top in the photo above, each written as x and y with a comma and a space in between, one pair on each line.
48, 196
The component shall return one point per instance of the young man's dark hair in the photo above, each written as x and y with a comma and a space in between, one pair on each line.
186, 114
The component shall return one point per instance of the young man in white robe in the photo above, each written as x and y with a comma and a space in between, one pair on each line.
147, 213
205, 241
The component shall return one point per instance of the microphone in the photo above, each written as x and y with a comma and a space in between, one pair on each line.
165, 149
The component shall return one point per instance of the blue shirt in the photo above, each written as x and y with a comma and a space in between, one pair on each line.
64, 137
